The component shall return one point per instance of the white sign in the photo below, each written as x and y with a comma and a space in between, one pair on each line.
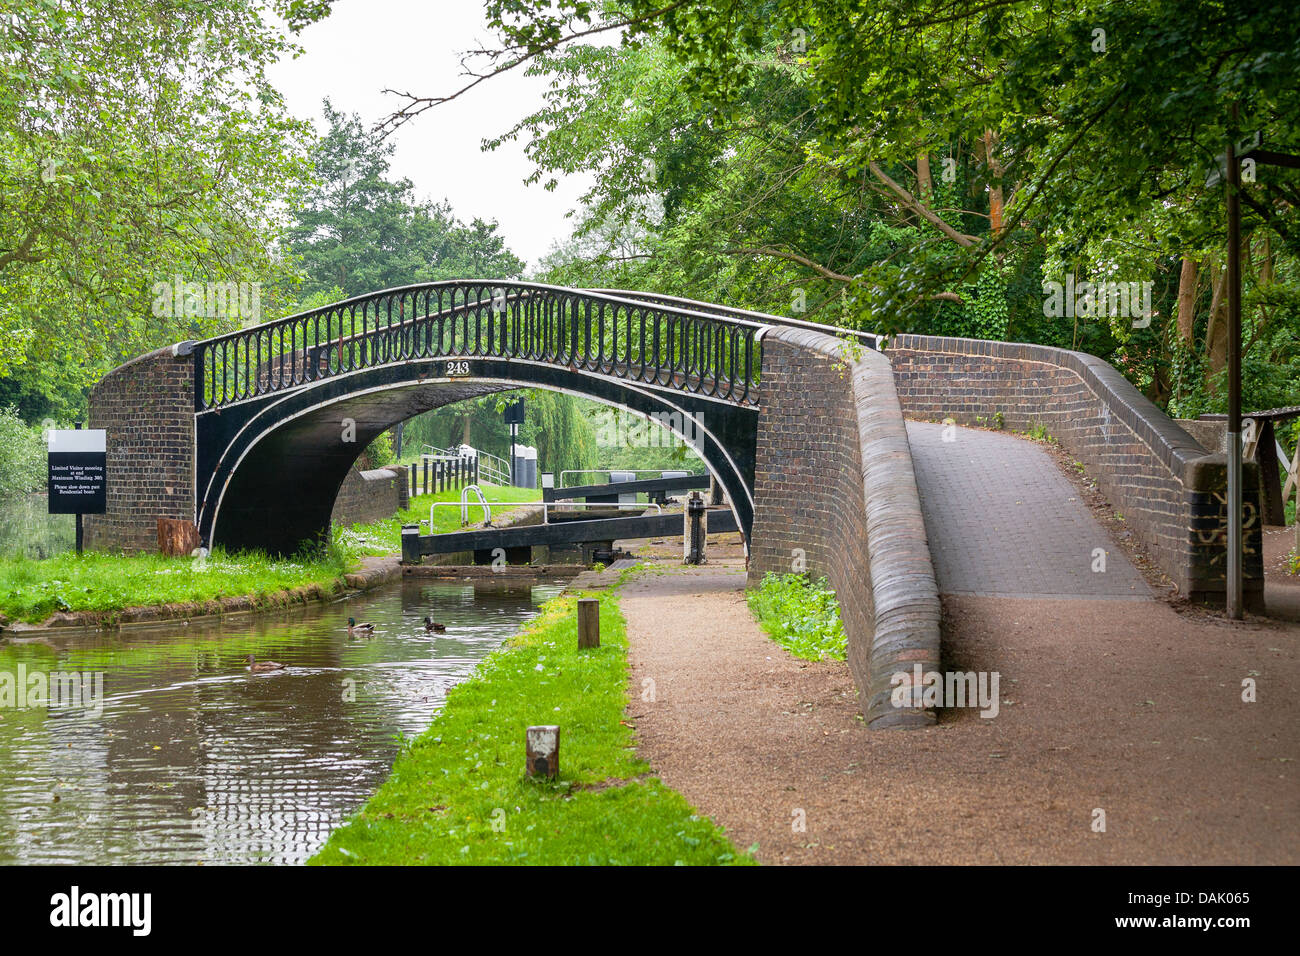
78, 440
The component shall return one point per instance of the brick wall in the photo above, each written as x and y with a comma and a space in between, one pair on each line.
835, 494
371, 495
1169, 489
147, 408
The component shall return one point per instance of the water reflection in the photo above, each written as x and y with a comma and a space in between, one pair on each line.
194, 759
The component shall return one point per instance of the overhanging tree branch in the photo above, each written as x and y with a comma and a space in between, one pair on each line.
913, 204
419, 104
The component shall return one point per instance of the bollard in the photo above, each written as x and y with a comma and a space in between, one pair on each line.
696, 521
542, 751
588, 622
426, 476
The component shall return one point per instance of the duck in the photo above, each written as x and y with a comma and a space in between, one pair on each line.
354, 628
433, 626
260, 667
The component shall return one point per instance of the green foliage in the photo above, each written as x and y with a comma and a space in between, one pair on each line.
458, 794
800, 615
627, 441
22, 456
27, 529
987, 312
745, 156
380, 451
556, 424
142, 142
357, 231
385, 535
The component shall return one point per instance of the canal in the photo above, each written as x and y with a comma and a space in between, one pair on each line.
189, 758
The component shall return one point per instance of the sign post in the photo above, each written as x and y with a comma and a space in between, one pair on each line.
78, 463
514, 417
1228, 167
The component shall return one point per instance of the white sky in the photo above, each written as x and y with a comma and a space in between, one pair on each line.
365, 46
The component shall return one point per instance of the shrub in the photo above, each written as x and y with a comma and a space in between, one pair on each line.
22, 456
800, 615
380, 451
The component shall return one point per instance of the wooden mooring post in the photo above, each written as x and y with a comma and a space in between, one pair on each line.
588, 622
542, 750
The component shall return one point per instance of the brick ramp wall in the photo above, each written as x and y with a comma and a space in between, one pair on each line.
370, 495
834, 483
1170, 491
147, 408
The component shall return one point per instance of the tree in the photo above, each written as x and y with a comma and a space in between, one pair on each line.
804, 135
142, 146
359, 231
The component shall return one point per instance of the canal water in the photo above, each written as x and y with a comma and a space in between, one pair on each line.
189, 758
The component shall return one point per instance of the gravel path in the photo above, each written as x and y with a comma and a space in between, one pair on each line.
1126, 706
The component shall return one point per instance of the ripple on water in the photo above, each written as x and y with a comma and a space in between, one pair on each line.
190, 758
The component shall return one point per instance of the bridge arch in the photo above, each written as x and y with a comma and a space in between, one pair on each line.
271, 400
274, 483
244, 432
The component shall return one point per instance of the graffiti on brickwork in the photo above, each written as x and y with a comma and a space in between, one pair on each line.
1217, 537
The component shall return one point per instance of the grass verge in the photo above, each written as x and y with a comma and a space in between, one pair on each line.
458, 793
31, 590
800, 615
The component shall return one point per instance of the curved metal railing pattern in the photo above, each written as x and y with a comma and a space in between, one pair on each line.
869, 339
622, 335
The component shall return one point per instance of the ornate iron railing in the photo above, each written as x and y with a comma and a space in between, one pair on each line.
619, 335
868, 339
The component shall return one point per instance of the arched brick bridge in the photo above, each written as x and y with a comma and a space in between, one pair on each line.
249, 435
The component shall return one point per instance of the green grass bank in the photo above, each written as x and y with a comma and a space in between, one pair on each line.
458, 793
98, 582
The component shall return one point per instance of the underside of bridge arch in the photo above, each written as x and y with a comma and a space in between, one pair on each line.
268, 471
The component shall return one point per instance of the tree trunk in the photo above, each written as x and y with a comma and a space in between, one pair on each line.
1266, 267
1216, 335
1187, 301
924, 183
995, 190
